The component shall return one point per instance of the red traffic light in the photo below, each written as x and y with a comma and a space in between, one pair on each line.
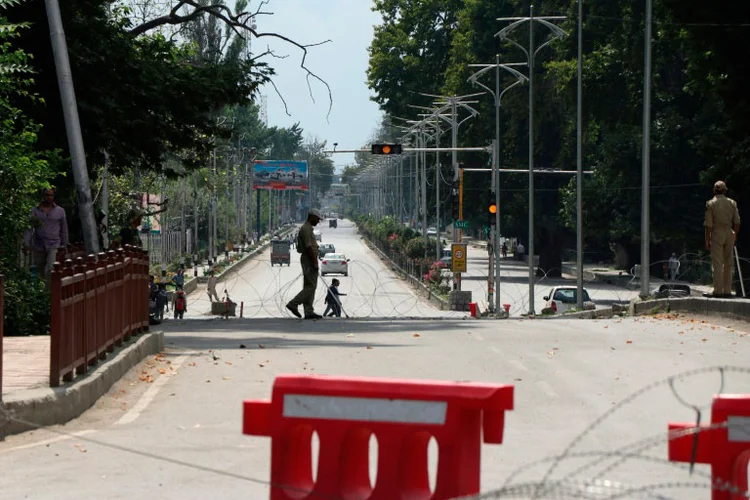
386, 149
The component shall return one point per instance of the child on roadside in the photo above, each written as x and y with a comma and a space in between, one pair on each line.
332, 300
180, 303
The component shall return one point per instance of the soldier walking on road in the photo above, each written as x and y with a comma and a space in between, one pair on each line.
721, 227
307, 245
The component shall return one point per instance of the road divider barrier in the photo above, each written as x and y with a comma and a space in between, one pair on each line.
724, 443
402, 415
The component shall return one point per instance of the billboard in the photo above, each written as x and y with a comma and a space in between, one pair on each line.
280, 174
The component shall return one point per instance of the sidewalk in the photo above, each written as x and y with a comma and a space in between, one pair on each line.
25, 363
598, 272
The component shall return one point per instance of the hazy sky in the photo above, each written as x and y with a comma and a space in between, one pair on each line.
342, 63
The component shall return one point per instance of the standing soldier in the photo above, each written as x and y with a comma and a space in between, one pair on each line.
307, 245
721, 227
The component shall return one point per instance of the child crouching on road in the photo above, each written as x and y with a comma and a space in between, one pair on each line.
332, 300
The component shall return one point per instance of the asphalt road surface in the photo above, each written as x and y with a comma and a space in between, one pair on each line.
372, 290
594, 389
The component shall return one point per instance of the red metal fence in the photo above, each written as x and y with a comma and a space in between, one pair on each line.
72, 252
96, 305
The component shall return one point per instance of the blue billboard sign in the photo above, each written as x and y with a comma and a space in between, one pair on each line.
280, 174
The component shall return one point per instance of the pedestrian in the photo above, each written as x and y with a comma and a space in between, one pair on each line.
307, 246
333, 300
180, 303
721, 227
211, 287
161, 301
520, 250
129, 235
179, 278
505, 250
49, 232
674, 266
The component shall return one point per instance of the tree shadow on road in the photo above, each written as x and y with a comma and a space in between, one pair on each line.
293, 333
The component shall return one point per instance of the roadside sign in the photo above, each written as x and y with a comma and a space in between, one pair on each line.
280, 175
458, 253
461, 224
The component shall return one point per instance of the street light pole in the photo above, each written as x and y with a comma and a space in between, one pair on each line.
530, 55
579, 164
646, 158
498, 97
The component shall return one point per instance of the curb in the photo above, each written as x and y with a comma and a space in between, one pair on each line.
738, 309
732, 308
58, 405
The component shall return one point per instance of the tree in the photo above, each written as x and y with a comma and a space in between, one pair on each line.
23, 171
320, 165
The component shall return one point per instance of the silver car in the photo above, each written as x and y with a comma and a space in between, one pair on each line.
334, 263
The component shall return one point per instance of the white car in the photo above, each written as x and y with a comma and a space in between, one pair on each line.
334, 263
431, 231
564, 298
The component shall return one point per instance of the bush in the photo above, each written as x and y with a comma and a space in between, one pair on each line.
27, 305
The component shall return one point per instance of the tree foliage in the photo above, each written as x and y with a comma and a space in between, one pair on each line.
699, 111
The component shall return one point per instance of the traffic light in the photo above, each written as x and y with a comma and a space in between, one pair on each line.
386, 149
491, 207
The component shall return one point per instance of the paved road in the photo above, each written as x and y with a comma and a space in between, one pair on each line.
178, 434
514, 285
172, 427
373, 291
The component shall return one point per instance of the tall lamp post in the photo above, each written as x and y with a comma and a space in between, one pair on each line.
503, 34
646, 157
498, 96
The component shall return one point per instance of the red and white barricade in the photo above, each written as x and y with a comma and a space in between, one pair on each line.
402, 414
724, 443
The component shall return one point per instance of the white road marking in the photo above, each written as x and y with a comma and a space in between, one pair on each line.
48, 441
149, 395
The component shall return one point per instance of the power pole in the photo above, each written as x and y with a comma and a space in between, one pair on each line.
72, 127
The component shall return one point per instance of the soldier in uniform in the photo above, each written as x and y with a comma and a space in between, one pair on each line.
307, 245
721, 227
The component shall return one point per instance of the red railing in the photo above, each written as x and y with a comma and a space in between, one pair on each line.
72, 252
2, 320
96, 305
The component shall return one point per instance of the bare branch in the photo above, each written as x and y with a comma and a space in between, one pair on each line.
241, 24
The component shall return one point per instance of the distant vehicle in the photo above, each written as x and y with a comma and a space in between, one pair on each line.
326, 248
334, 263
446, 262
318, 235
280, 252
564, 298
333, 223
431, 231
334, 215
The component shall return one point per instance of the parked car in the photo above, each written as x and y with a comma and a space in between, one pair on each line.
431, 231
564, 298
334, 263
446, 262
326, 248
